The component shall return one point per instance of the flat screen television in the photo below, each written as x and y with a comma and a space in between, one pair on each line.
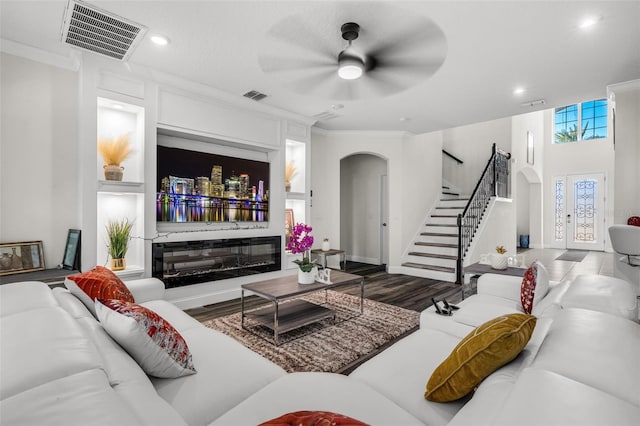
195, 186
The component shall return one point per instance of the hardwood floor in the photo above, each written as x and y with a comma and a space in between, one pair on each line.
416, 293
395, 289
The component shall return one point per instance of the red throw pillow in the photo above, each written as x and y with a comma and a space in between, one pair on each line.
312, 418
99, 282
528, 288
154, 343
634, 221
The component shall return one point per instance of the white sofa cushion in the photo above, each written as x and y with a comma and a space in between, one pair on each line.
83, 398
24, 296
146, 289
317, 391
228, 372
542, 397
602, 293
597, 349
401, 373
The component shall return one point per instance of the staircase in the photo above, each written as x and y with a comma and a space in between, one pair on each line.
435, 251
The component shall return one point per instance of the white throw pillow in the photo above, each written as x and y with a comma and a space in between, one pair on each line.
154, 343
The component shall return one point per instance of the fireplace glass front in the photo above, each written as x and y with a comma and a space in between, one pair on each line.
192, 262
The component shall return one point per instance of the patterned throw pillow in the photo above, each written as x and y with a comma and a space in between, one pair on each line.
155, 345
535, 285
312, 418
479, 354
99, 282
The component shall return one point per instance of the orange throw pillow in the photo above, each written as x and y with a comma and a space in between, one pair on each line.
480, 353
98, 283
312, 418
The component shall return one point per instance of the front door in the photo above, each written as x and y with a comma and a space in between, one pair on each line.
579, 212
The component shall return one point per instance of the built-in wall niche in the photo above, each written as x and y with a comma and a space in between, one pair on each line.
295, 166
117, 200
115, 207
117, 118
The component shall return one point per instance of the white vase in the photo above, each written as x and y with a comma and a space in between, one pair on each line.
325, 245
307, 277
498, 261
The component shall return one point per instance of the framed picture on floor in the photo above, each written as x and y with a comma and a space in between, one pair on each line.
71, 258
16, 258
288, 225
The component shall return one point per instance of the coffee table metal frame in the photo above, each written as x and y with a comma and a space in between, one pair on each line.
295, 313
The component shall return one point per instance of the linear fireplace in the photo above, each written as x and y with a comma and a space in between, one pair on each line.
192, 262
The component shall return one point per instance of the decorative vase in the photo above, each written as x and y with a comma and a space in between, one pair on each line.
287, 186
16, 261
307, 277
113, 172
325, 245
498, 261
118, 264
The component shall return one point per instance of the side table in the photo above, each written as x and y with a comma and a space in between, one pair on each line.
323, 254
478, 269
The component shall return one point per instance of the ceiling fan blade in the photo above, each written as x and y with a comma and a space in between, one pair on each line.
292, 32
427, 38
315, 81
284, 63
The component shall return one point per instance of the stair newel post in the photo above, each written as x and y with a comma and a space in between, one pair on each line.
459, 260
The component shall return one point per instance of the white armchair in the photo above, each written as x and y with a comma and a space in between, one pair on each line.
625, 240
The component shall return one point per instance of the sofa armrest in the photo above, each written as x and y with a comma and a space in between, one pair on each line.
505, 286
146, 289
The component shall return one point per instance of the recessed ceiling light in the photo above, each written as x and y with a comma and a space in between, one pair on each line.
589, 22
160, 40
117, 106
519, 91
337, 106
404, 119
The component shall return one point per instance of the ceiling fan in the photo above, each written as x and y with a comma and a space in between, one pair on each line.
308, 57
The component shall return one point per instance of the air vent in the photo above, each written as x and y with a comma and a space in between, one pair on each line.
89, 28
255, 95
325, 115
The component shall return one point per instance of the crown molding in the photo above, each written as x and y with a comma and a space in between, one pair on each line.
371, 133
71, 62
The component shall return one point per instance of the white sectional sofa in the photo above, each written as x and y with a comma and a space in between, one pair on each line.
59, 366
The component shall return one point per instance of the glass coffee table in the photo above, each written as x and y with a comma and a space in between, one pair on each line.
288, 311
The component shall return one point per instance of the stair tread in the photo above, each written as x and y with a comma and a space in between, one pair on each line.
441, 224
420, 243
438, 256
444, 215
438, 234
450, 208
430, 267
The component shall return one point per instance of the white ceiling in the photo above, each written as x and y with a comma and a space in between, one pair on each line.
281, 48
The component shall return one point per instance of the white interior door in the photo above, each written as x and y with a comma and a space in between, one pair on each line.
384, 221
585, 211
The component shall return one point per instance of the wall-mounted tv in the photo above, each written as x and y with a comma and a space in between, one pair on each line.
195, 186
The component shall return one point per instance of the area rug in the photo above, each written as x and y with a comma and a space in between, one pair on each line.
573, 255
331, 344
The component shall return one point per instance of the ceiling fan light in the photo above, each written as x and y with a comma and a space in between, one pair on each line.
350, 68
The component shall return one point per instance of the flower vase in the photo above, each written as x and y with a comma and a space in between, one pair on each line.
118, 264
499, 261
112, 172
325, 245
307, 277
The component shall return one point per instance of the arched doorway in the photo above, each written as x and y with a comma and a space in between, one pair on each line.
364, 208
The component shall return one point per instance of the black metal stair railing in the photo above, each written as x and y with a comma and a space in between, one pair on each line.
493, 182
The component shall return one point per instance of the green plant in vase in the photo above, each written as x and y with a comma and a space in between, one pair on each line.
119, 234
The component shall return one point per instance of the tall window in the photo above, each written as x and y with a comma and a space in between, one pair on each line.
584, 121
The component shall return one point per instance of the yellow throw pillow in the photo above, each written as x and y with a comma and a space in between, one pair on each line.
479, 354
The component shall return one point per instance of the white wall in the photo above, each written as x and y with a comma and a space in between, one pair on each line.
592, 156
38, 154
527, 186
627, 153
360, 177
472, 144
414, 174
